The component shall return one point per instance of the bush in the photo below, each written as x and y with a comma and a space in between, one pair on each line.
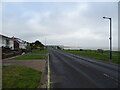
8, 52
6, 49
11, 54
100, 51
81, 49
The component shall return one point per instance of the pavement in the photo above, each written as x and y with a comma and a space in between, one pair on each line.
72, 71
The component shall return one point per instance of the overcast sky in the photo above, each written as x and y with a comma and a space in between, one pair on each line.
61, 23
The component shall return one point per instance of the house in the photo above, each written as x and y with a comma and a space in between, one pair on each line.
18, 43
6, 42
13, 43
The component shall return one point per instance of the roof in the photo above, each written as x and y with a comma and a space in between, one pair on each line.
18, 40
5, 37
13, 38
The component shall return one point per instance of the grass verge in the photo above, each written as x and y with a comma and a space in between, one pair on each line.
45, 51
99, 56
29, 57
20, 77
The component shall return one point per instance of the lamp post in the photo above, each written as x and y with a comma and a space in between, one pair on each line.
110, 36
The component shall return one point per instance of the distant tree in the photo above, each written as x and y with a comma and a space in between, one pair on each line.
58, 47
36, 45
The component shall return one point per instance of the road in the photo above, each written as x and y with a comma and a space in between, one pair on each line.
72, 71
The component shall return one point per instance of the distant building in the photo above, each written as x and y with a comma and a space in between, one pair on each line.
54, 46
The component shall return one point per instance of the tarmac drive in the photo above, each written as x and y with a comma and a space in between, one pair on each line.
35, 64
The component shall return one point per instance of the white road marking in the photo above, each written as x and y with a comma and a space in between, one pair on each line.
110, 77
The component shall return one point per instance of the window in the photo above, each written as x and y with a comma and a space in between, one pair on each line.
2, 41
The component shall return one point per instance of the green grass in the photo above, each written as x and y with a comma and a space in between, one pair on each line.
94, 54
20, 77
45, 51
106, 52
29, 57
113, 52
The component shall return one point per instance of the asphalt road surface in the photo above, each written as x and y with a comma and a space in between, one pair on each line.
72, 71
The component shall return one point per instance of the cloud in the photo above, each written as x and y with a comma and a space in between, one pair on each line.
60, 0
79, 24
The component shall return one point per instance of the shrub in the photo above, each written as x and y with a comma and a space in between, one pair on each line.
100, 51
6, 49
81, 49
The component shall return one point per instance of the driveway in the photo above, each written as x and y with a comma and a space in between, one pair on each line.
35, 64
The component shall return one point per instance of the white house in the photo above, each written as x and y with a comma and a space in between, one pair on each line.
6, 42
13, 43
22, 44
18, 43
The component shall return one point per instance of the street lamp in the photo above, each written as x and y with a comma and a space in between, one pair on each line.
110, 36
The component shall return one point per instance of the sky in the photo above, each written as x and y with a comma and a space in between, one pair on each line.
77, 24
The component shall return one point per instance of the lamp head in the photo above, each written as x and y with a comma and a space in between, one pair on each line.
104, 17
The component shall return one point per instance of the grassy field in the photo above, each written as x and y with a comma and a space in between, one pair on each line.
96, 55
45, 51
106, 52
20, 77
28, 57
